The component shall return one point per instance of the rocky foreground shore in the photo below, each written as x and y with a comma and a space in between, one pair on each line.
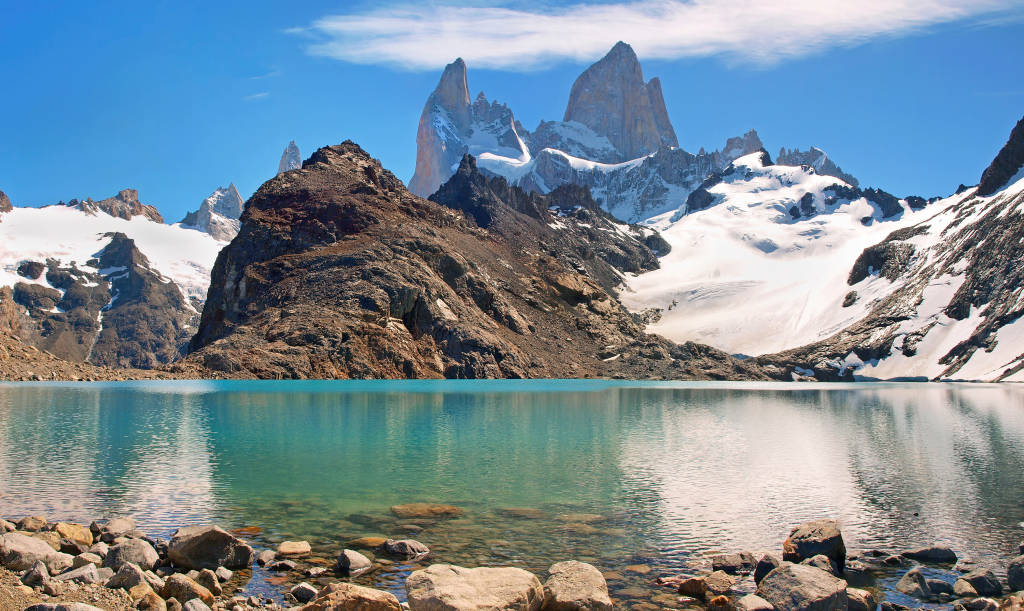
112, 565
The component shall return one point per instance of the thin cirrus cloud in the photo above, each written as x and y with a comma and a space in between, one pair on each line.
753, 32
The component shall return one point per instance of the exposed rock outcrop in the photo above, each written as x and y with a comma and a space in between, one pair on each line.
817, 159
124, 205
5, 203
291, 159
1007, 164
339, 272
612, 99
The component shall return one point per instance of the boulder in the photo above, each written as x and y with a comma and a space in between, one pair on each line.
353, 564
1015, 574
127, 577
575, 586
367, 542
86, 558
913, 584
266, 557
753, 602
195, 605
934, 554
223, 574
813, 538
6, 527
767, 564
409, 548
113, 529
208, 547
72, 547
19, 552
963, 589
154, 581
174, 605
694, 587
797, 587
151, 602
343, 596
938, 586
32, 523
303, 592
983, 581
293, 549
83, 574
101, 549
860, 600
74, 532
50, 538
183, 589
734, 564
978, 604
721, 603
281, 566
208, 579
821, 561
444, 587
431, 511
135, 551
36, 576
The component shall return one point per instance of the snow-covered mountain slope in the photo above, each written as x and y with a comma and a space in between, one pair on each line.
88, 285
218, 214
945, 295
615, 138
72, 236
760, 265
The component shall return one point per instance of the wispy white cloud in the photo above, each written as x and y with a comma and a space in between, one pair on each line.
256, 96
270, 74
755, 32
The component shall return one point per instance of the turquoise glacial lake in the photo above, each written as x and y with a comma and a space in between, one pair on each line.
665, 472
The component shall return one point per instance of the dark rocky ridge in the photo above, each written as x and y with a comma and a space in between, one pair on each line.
5, 203
340, 272
1007, 163
117, 312
124, 205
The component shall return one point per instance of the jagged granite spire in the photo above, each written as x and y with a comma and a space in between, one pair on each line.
612, 99
1007, 164
445, 115
291, 159
218, 214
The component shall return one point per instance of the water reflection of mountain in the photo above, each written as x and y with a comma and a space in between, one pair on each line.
88, 451
736, 469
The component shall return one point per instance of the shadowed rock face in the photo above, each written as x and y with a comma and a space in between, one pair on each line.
1007, 163
5, 203
611, 98
116, 313
339, 272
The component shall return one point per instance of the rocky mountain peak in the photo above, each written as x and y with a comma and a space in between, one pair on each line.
124, 205
452, 91
5, 203
612, 99
218, 214
1008, 164
291, 158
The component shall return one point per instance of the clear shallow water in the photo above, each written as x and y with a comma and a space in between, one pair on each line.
674, 470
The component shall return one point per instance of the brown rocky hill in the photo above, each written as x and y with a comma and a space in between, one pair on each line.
339, 271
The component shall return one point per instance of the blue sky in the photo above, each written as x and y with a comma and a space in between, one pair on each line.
175, 99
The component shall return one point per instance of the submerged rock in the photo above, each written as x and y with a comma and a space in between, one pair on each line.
208, 547
435, 511
936, 554
293, 549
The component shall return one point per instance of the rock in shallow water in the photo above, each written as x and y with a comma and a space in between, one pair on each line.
208, 547
1015, 574
353, 564
860, 600
293, 549
409, 548
575, 586
813, 538
444, 587
913, 584
734, 564
935, 554
767, 564
797, 587
434, 511
982, 581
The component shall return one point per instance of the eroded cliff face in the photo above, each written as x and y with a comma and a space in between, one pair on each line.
338, 271
612, 99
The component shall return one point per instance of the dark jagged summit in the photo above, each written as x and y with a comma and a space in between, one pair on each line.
338, 271
1007, 163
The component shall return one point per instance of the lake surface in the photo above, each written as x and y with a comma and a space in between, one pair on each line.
670, 471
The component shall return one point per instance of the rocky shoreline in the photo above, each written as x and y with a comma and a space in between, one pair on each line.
111, 565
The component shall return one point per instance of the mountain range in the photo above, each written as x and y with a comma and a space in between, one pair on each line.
593, 246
